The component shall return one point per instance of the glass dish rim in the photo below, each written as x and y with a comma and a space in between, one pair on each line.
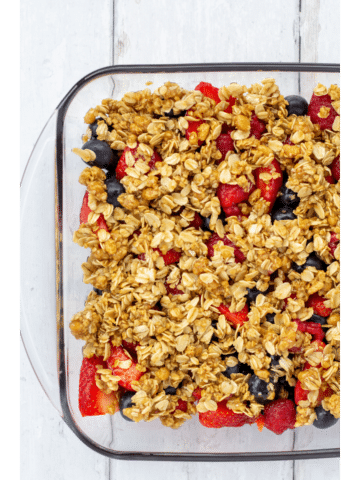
62, 109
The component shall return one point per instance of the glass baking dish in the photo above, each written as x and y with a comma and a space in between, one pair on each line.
51, 282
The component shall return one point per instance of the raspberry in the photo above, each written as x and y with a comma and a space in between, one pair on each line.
315, 105
257, 127
197, 222
334, 241
317, 303
225, 144
239, 256
279, 415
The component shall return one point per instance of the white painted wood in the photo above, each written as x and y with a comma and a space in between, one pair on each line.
188, 31
60, 43
320, 31
63, 41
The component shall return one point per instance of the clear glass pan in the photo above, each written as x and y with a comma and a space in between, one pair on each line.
51, 281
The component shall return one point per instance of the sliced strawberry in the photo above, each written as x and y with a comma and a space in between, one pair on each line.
236, 318
209, 91
122, 166
257, 127
225, 144
233, 211
127, 375
230, 194
269, 190
239, 256
334, 242
182, 405
317, 303
224, 417
92, 400
197, 393
300, 395
193, 127
335, 168
86, 210
330, 179
197, 222
316, 103
280, 415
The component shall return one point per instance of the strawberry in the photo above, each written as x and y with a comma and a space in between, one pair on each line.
92, 400
269, 190
122, 166
197, 393
212, 92
225, 144
127, 375
330, 179
280, 415
86, 210
226, 128
224, 417
236, 318
197, 222
193, 127
182, 405
239, 256
334, 241
317, 303
300, 395
208, 91
313, 328
316, 103
233, 211
335, 168
230, 194
257, 127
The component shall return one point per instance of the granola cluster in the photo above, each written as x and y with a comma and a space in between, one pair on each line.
178, 345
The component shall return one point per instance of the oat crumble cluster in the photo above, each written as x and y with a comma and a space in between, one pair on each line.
171, 311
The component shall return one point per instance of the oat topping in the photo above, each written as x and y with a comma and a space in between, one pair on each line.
170, 310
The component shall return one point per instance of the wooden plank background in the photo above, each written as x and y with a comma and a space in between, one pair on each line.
63, 41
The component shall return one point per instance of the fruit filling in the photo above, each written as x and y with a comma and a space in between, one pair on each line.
212, 222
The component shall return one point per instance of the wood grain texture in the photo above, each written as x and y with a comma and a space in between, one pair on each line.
213, 31
63, 41
60, 43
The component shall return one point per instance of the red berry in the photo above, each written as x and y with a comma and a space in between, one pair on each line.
239, 256
257, 127
334, 242
224, 417
236, 318
225, 144
233, 211
171, 256
122, 166
315, 105
209, 91
330, 179
197, 393
293, 296
230, 194
270, 189
182, 405
193, 127
197, 222
127, 375
335, 168
173, 290
300, 394
226, 128
92, 400
279, 415
317, 303
86, 210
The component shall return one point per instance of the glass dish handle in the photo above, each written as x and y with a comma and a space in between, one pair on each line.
38, 267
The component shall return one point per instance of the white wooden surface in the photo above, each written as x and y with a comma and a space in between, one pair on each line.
63, 41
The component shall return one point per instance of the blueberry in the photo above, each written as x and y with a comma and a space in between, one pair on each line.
270, 317
312, 261
258, 388
288, 197
104, 154
97, 291
206, 221
253, 293
281, 212
282, 382
171, 114
214, 325
93, 127
274, 361
125, 402
324, 418
238, 368
170, 391
318, 319
297, 105
114, 189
